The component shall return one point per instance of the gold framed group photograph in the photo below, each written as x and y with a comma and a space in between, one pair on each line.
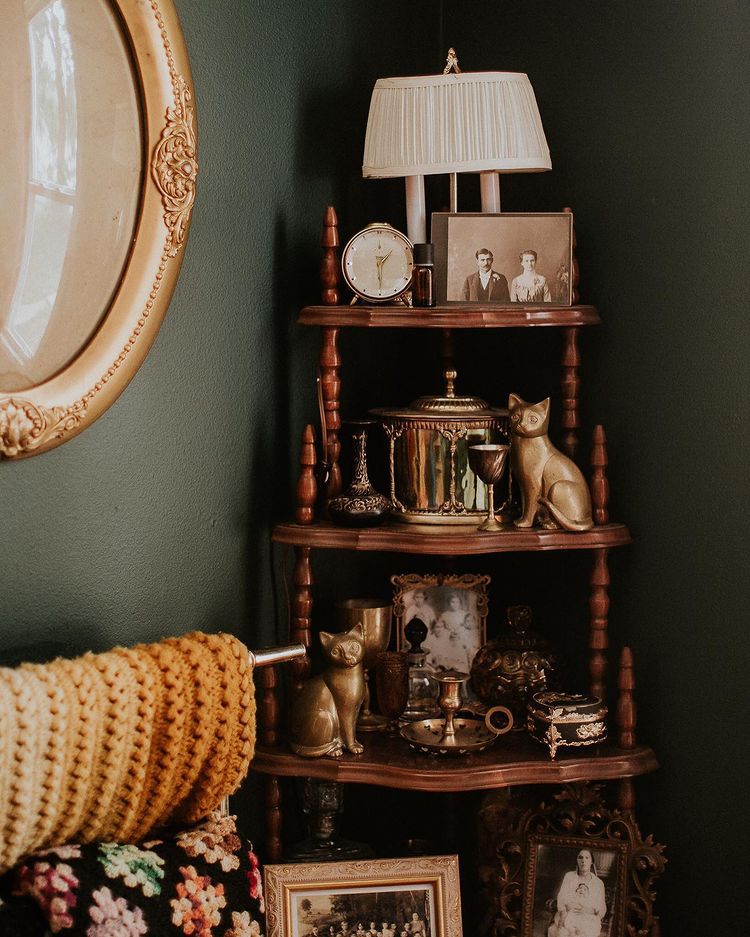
503, 258
454, 609
415, 896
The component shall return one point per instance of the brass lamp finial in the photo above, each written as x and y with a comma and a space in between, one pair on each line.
451, 63
450, 382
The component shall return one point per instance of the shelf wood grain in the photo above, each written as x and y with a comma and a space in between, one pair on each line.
389, 762
438, 540
455, 316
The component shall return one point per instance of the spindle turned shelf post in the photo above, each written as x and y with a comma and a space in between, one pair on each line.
570, 384
330, 360
330, 382
307, 486
625, 718
302, 602
599, 482
269, 725
599, 619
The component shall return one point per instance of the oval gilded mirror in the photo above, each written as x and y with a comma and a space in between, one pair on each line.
97, 184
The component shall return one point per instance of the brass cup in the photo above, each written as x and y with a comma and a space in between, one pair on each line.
375, 616
488, 463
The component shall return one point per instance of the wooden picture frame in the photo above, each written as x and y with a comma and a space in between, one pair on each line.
342, 895
560, 892
454, 634
461, 241
522, 883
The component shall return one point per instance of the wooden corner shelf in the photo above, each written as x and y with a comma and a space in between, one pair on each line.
454, 316
446, 540
389, 762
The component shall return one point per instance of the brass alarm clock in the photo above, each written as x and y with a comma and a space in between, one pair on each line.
377, 263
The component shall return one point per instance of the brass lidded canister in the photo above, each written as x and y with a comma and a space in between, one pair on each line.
431, 481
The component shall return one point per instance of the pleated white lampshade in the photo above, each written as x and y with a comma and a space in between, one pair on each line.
467, 122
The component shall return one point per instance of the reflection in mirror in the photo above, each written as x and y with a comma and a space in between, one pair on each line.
71, 169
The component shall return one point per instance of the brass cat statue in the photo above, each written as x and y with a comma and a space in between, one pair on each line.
324, 713
554, 493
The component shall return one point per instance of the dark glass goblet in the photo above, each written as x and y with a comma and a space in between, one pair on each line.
392, 683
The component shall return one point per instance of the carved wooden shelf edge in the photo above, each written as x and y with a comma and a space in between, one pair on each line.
395, 765
459, 316
447, 541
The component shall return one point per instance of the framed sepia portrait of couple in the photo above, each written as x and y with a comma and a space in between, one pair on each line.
503, 259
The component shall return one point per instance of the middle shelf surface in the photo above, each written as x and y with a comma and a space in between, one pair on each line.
447, 540
515, 759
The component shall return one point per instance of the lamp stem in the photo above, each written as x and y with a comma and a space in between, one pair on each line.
489, 187
416, 211
454, 192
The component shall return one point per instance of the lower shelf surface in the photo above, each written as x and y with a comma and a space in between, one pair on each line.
390, 762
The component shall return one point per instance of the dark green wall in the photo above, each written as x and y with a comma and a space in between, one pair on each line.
646, 112
156, 519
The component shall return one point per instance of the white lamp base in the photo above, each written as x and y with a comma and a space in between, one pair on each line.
416, 210
489, 187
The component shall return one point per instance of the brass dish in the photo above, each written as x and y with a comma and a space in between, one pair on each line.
471, 735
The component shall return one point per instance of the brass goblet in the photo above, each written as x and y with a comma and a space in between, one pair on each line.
487, 461
375, 617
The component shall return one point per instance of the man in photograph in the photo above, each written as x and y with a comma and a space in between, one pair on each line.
486, 285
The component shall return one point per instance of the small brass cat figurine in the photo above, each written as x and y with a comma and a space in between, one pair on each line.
554, 493
324, 713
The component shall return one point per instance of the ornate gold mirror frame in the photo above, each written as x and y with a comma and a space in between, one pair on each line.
51, 412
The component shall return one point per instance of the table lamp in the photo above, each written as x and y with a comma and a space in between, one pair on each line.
484, 122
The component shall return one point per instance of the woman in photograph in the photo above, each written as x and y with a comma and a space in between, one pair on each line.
420, 608
449, 646
581, 903
529, 286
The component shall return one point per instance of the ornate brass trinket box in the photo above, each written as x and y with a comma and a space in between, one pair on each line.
566, 720
431, 481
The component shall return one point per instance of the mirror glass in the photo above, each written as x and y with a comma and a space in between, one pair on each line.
71, 168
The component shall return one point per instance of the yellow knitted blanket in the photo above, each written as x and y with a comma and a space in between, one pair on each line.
109, 746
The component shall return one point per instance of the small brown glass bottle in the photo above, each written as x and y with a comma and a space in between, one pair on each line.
423, 278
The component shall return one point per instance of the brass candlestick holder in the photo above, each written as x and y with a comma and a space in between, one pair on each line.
488, 463
456, 733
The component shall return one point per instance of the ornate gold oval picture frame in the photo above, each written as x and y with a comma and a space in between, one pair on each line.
42, 417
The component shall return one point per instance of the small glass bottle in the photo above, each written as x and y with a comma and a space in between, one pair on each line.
423, 277
423, 689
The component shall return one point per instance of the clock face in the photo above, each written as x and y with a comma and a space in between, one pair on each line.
377, 263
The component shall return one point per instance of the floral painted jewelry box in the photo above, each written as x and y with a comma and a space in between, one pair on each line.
566, 720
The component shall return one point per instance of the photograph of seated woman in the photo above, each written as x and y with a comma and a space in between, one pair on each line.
529, 286
581, 901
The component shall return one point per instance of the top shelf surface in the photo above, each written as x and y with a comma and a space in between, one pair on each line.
445, 540
455, 316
